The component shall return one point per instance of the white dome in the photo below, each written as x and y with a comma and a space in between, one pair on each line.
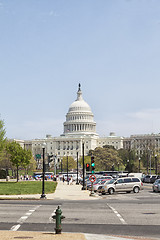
79, 119
80, 106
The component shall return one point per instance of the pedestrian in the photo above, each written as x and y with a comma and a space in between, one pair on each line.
71, 181
63, 179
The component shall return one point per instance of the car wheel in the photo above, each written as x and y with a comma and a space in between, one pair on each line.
111, 190
128, 191
136, 190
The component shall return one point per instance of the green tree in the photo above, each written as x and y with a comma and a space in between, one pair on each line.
87, 159
32, 165
2, 135
5, 160
71, 163
129, 158
106, 158
18, 155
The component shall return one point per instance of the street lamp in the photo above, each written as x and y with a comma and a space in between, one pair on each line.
67, 172
43, 174
139, 163
77, 170
55, 165
61, 165
83, 188
118, 166
128, 165
150, 161
156, 164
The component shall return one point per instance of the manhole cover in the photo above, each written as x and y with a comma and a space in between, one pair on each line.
149, 213
23, 237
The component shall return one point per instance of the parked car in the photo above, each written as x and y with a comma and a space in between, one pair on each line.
126, 184
153, 178
156, 186
98, 179
100, 183
146, 179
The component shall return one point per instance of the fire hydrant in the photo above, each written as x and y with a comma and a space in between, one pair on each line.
58, 218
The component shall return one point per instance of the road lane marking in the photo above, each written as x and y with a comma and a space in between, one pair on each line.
117, 214
22, 219
15, 228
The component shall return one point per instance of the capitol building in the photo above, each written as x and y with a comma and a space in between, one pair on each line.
79, 129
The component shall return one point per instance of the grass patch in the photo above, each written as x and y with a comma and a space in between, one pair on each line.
26, 187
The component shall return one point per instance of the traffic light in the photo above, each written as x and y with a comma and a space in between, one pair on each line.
87, 166
92, 164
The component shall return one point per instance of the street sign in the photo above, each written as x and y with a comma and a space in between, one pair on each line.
38, 156
92, 178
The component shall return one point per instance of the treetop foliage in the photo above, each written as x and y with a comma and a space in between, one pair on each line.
2, 135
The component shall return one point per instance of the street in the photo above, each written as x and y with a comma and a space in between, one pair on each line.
118, 214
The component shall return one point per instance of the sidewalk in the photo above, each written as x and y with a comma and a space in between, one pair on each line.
9, 235
65, 192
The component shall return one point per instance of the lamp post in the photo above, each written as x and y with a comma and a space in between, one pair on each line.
139, 163
156, 164
150, 162
128, 165
61, 165
118, 166
43, 174
83, 188
77, 170
67, 172
55, 165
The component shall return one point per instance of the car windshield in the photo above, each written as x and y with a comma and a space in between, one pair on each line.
157, 181
111, 181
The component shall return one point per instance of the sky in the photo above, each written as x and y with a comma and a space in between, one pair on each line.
48, 47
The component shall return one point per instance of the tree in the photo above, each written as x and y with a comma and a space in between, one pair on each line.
2, 135
32, 164
87, 159
18, 155
106, 158
129, 158
71, 163
5, 160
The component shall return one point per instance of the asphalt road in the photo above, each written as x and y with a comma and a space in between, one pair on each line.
119, 214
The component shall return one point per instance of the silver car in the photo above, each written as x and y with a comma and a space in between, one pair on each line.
101, 182
156, 186
126, 184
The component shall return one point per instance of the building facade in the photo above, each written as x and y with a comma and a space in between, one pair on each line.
143, 143
79, 128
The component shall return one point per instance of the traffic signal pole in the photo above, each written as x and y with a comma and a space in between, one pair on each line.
83, 188
92, 171
92, 164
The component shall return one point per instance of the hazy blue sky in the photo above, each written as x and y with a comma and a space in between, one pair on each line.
48, 47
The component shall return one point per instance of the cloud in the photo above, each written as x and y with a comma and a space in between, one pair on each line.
141, 122
146, 113
54, 14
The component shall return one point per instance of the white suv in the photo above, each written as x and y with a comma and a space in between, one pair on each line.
126, 184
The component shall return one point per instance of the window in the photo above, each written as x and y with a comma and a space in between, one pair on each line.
127, 180
120, 181
135, 180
